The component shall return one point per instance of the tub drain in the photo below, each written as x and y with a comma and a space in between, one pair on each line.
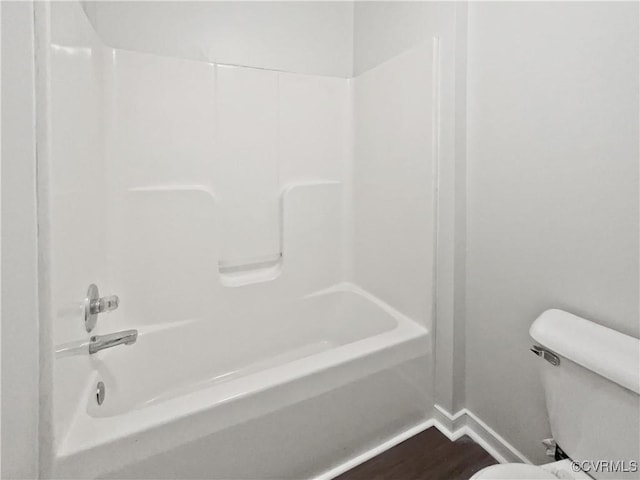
100, 392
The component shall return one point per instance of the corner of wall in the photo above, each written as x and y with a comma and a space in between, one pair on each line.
42, 34
352, 72
451, 256
460, 244
464, 422
20, 328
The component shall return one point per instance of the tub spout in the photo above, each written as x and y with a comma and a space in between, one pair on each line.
101, 342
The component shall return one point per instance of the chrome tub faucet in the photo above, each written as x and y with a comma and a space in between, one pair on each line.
102, 342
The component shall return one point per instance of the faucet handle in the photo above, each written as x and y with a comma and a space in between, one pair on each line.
94, 304
105, 304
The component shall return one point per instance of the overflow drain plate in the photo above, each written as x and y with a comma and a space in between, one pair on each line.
100, 393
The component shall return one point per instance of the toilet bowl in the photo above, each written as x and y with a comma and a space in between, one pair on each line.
591, 381
562, 469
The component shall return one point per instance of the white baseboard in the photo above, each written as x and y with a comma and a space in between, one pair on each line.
466, 422
377, 450
453, 427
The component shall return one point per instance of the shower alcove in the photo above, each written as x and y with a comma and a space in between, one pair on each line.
267, 222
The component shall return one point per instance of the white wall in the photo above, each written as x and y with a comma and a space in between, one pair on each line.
20, 399
552, 191
300, 37
384, 29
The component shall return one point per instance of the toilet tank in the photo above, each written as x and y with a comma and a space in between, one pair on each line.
593, 394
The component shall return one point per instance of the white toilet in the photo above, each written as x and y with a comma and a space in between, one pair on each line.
591, 378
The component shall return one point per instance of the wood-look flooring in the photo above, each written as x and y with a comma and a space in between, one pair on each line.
428, 455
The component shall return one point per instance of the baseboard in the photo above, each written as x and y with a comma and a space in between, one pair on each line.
465, 422
377, 450
452, 426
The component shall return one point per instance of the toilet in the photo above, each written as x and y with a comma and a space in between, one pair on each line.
549, 471
591, 378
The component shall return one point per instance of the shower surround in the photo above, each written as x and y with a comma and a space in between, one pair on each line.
270, 236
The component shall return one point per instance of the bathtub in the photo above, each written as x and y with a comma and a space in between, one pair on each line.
333, 375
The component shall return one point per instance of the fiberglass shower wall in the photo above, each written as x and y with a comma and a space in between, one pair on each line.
206, 162
225, 179
207, 177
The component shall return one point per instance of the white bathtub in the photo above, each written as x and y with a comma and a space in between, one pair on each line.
206, 399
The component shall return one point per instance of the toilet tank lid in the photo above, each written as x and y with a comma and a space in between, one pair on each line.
609, 353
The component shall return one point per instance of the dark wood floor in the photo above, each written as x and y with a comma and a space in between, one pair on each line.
427, 456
